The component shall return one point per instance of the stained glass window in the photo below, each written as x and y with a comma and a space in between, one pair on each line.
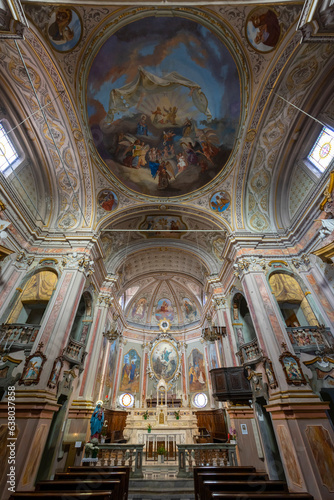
126, 400
321, 154
8, 155
200, 400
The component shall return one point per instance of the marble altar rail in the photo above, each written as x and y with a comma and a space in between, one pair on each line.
199, 455
189, 456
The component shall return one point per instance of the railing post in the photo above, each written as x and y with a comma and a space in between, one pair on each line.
182, 462
138, 472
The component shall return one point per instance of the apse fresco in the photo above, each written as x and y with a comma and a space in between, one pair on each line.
139, 309
163, 102
190, 310
164, 310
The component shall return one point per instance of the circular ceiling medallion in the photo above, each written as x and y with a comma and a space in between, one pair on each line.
163, 104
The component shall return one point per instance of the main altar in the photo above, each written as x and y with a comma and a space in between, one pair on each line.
163, 420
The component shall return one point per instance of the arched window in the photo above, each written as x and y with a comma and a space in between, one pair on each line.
292, 302
83, 319
34, 298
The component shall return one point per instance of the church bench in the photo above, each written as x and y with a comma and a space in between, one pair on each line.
221, 470
213, 495
122, 476
246, 487
60, 495
220, 476
81, 486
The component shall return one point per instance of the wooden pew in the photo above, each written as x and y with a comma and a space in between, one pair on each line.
220, 470
59, 495
234, 483
110, 486
122, 476
101, 470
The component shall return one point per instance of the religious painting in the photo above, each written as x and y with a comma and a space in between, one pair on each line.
33, 368
165, 124
213, 355
322, 448
220, 201
64, 29
262, 29
268, 367
56, 369
164, 360
292, 369
164, 310
107, 200
130, 374
139, 309
190, 310
196, 371
172, 226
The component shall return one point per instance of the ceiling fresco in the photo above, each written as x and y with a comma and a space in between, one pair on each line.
163, 103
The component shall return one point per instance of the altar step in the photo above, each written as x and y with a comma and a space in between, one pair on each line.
155, 489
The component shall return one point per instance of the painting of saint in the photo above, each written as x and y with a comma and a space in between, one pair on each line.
164, 360
213, 356
190, 311
57, 366
130, 373
32, 370
166, 124
107, 200
196, 371
64, 29
154, 224
139, 309
220, 201
164, 310
262, 29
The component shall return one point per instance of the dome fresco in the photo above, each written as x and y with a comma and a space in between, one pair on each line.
163, 103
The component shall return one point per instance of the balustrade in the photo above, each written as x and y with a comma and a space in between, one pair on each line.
121, 454
249, 352
15, 337
309, 338
208, 454
75, 352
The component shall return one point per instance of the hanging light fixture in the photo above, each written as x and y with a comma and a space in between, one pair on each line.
211, 332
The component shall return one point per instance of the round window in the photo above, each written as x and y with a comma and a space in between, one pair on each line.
200, 400
126, 400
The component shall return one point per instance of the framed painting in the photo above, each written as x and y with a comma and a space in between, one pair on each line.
292, 369
33, 368
263, 30
164, 360
130, 374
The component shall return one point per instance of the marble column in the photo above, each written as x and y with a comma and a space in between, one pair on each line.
298, 416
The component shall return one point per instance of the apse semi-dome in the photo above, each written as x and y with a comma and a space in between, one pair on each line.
173, 298
163, 103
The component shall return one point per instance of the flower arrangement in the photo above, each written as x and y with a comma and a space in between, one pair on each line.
91, 448
145, 415
104, 431
177, 414
161, 450
232, 436
149, 428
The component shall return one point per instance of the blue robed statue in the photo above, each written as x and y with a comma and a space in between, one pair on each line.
96, 422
